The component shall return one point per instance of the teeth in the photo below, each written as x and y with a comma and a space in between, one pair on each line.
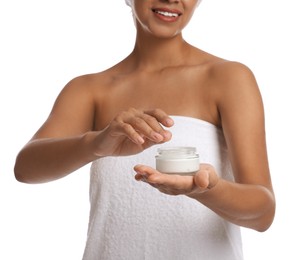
167, 14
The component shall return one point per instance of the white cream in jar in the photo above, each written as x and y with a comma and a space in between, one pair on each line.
177, 160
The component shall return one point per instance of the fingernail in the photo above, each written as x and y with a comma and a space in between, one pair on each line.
140, 140
169, 121
167, 135
157, 136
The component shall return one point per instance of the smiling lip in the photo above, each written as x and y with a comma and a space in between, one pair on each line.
167, 15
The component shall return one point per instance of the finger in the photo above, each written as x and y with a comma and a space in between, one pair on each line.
161, 119
143, 172
127, 130
158, 130
153, 176
176, 183
161, 116
206, 178
171, 184
202, 179
145, 125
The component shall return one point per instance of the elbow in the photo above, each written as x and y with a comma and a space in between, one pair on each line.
20, 171
23, 177
266, 219
18, 174
259, 224
260, 215
20, 178
264, 224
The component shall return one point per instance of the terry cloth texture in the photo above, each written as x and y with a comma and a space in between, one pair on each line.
130, 220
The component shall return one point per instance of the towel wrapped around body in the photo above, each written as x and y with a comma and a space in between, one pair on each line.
131, 220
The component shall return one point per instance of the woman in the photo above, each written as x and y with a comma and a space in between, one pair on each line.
165, 93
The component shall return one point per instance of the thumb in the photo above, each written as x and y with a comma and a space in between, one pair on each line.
206, 177
202, 179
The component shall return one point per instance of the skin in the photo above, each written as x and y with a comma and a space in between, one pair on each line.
123, 110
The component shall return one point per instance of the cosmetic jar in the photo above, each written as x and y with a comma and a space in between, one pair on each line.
177, 160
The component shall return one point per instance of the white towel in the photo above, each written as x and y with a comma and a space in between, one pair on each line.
130, 220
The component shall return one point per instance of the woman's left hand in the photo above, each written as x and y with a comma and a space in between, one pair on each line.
203, 180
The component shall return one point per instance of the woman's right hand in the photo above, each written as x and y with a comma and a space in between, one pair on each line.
132, 131
49, 157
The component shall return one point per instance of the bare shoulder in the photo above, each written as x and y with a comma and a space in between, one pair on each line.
83, 84
224, 77
83, 90
76, 94
74, 109
238, 99
230, 89
230, 72
227, 87
235, 84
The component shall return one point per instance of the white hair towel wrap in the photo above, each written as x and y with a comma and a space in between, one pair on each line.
128, 2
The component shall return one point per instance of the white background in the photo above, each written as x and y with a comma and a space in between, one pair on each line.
44, 44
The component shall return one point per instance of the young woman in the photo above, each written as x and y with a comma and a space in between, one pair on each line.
165, 93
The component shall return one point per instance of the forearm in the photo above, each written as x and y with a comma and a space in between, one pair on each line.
132, 131
251, 206
48, 159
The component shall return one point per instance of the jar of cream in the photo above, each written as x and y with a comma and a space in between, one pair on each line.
177, 160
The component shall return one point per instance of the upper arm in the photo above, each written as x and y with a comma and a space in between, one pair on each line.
242, 118
72, 112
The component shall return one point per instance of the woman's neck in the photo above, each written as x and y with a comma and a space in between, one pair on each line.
152, 53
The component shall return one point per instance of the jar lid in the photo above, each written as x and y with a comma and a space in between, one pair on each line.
177, 152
